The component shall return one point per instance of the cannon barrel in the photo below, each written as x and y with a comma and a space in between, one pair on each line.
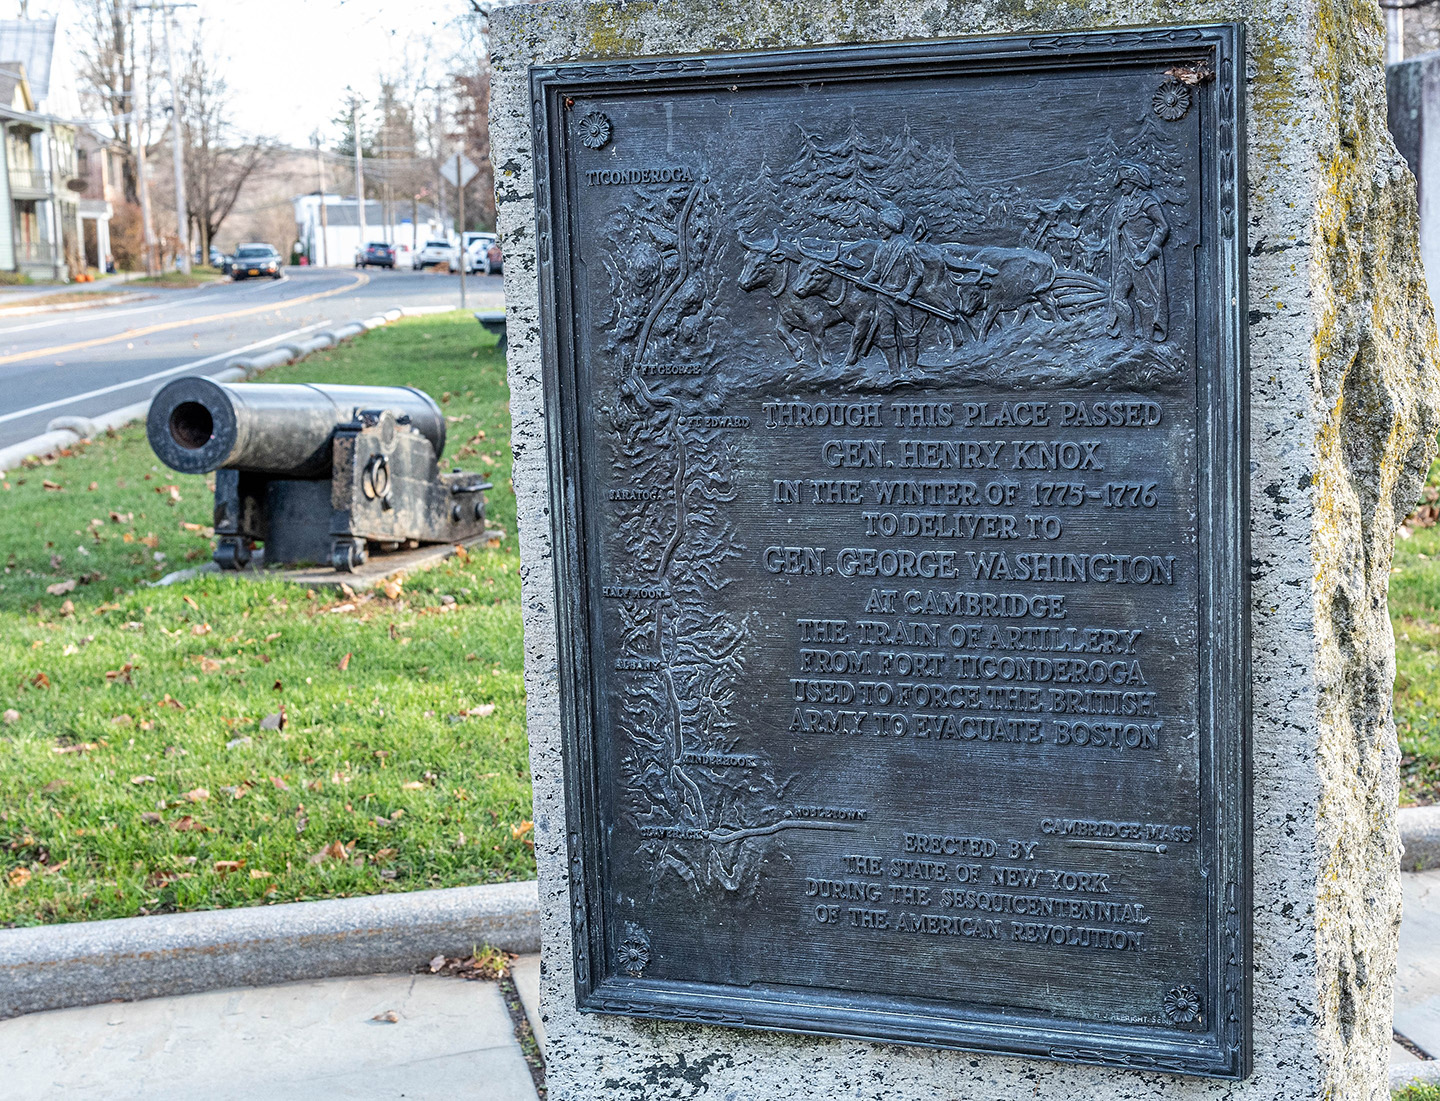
197, 425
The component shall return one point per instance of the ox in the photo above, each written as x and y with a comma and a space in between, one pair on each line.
800, 319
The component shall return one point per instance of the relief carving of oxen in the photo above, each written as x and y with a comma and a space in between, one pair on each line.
801, 319
1022, 282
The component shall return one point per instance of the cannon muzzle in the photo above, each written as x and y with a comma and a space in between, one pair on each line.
197, 425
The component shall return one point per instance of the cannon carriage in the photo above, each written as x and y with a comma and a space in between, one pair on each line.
318, 474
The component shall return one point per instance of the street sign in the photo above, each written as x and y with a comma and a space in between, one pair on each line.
459, 166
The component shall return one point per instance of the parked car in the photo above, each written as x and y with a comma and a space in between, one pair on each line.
404, 255
379, 253
494, 259
256, 259
483, 254
436, 251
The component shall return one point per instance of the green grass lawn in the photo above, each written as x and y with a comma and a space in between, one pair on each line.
1415, 615
1418, 1092
144, 766
199, 276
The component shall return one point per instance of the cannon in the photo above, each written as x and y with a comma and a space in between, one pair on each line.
316, 473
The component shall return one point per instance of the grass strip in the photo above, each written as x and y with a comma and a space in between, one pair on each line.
229, 742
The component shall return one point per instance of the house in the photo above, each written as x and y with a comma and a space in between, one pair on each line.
334, 239
40, 209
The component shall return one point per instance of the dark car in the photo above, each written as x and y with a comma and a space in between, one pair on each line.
378, 253
256, 260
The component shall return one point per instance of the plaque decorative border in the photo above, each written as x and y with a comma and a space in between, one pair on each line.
1210, 1014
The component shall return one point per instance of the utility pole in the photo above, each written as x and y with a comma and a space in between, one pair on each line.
460, 202
182, 215
1394, 34
324, 214
439, 160
359, 167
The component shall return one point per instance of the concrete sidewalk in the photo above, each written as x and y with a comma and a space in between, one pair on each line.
450, 1040
1417, 981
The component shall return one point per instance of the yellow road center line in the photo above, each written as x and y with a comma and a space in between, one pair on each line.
130, 334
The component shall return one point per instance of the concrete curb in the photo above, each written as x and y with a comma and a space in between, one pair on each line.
89, 962
1403, 1075
1420, 834
68, 431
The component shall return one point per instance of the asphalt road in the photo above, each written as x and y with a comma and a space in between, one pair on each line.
87, 362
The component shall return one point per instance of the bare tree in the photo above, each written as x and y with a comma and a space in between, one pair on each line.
108, 49
217, 162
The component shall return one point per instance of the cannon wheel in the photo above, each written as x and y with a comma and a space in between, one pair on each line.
232, 554
346, 554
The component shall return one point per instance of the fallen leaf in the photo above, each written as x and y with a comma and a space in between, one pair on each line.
209, 665
143, 779
169, 701
122, 674
165, 876
121, 517
78, 747
185, 822
151, 540
391, 589
237, 743
483, 711
347, 590
436, 964
519, 831
223, 866
343, 608
53, 868
94, 486
271, 637
280, 785
170, 493
10, 716
60, 588
333, 851
259, 873
413, 785
389, 1017
197, 795
200, 629
191, 601
19, 877
345, 663
48, 484
122, 720
68, 608
274, 721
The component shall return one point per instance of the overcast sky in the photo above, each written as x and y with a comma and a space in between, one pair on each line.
304, 53
289, 62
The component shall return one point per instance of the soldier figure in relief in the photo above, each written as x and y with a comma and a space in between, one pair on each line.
1138, 230
897, 271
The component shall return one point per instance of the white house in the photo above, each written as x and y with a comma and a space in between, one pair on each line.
332, 241
40, 208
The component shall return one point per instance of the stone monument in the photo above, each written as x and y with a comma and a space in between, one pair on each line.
958, 450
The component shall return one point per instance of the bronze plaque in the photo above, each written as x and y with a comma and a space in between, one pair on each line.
898, 422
